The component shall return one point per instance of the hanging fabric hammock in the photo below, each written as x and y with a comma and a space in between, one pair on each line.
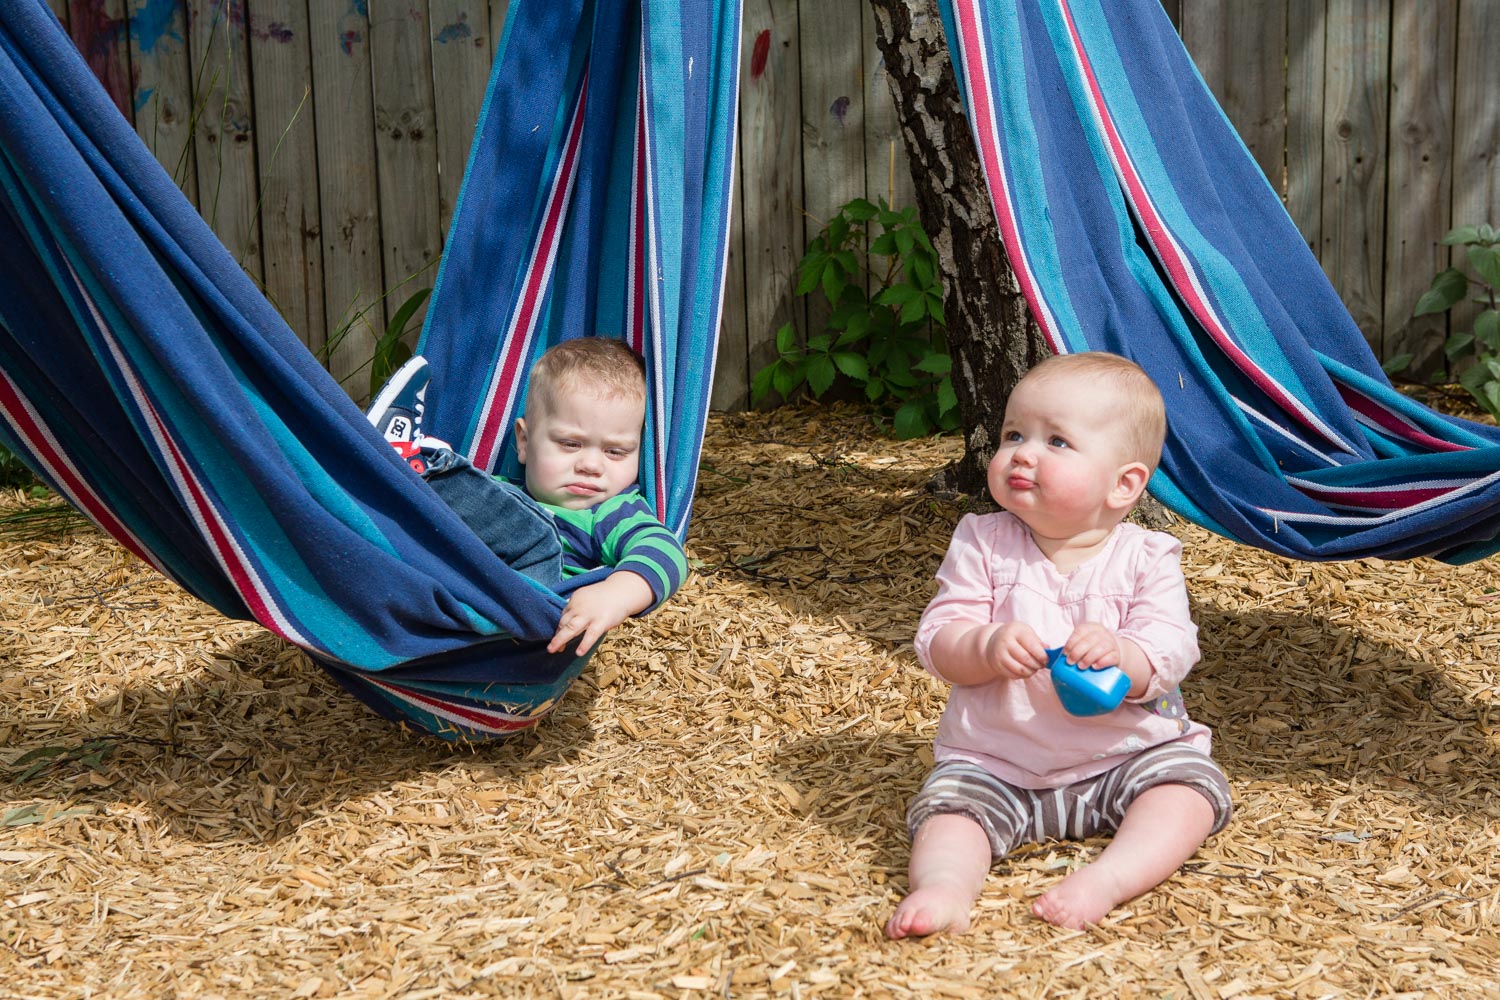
1137, 222
145, 378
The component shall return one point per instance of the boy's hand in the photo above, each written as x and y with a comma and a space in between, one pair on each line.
1014, 651
1093, 647
593, 610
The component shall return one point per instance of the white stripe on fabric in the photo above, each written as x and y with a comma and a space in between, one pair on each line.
1271, 425
1293, 517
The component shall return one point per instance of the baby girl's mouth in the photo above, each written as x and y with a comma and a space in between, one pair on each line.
1019, 483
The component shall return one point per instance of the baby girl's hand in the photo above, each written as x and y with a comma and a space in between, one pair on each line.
1093, 647
1014, 651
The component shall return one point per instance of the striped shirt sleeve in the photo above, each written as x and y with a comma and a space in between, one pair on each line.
627, 535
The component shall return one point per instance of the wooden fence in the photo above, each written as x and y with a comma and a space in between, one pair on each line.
325, 140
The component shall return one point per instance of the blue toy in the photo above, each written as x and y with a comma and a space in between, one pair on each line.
1083, 691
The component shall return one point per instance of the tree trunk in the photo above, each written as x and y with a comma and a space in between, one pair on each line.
991, 336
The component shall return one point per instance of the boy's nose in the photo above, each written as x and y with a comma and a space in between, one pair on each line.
588, 462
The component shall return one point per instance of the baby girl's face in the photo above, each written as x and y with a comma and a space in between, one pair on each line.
1062, 447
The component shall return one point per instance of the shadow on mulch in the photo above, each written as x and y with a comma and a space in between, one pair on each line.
261, 741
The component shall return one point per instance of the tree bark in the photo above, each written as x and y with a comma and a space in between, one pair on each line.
991, 336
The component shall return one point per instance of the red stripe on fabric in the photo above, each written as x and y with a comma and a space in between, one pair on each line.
523, 325
975, 67
1167, 253
1388, 420
18, 412
480, 719
239, 572
1395, 498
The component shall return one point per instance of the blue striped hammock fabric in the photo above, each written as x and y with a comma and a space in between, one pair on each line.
146, 379
1137, 222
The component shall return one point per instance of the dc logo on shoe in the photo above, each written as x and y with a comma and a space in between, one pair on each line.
399, 429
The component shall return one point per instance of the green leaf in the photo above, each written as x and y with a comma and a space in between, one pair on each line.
819, 344
911, 421
947, 399
1487, 329
1461, 235
22, 815
920, 269
935, 364
820, 375
874, 389
935, 309
1486, 261
905, 241
915, 310
760, 385
853, 365
810, 273
785, 379
1397, 364
1448, 288
1458, 344
898, 294
1487, 234
848, 262
860, 210
786, 339
833, 284
884, 245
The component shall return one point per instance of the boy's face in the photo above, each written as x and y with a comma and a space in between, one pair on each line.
1062, 452
581, 447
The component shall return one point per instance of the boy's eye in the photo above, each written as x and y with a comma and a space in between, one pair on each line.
617, 453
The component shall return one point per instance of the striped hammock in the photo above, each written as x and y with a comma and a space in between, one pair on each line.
1137, 222
145, 378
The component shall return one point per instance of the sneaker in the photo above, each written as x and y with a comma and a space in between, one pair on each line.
396, 411
427, 455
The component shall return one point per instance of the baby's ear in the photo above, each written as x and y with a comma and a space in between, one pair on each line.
1130, 483
521, 440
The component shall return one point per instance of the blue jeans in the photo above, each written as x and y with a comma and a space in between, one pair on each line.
513, 525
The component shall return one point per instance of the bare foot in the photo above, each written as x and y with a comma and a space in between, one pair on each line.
1084, 897
930, 911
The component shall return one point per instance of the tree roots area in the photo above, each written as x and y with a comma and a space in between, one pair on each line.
192, 809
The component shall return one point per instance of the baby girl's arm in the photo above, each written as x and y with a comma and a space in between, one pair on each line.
964, 653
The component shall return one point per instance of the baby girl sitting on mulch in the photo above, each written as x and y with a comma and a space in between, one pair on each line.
1081, 436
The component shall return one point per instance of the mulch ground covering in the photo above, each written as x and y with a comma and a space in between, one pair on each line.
191, 809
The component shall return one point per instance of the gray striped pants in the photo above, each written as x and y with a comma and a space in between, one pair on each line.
1010, 815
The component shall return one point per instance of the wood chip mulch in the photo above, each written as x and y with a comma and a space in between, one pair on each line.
191, 809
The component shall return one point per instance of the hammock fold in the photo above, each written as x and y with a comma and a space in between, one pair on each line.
1137, 222
145, 379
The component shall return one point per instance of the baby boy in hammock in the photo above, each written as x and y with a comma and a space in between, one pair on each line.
580, 441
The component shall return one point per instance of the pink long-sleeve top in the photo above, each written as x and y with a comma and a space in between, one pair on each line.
1018, 730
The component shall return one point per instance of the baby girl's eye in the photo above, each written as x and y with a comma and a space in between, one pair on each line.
1011, 436
1057, 442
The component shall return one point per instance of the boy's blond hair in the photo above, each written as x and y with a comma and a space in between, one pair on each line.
603, 364
1143, 415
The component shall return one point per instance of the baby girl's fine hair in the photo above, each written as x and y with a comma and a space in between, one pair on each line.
601, 364
1142, 413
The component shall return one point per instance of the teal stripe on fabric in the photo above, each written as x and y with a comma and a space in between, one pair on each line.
1220, 280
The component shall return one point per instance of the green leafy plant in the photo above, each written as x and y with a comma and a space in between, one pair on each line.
884, 335
391, 350
1473, 356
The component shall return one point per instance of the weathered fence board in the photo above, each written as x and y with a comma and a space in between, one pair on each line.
1354, 155
348, 199
1305, 59
1476, 134
1421, 152
163, 95
770, 171
287, 153
405, 150
224, 136
461, 57
1373, 118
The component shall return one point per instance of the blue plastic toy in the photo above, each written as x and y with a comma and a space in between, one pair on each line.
1083, 691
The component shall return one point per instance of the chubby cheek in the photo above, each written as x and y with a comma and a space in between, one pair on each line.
996, 475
